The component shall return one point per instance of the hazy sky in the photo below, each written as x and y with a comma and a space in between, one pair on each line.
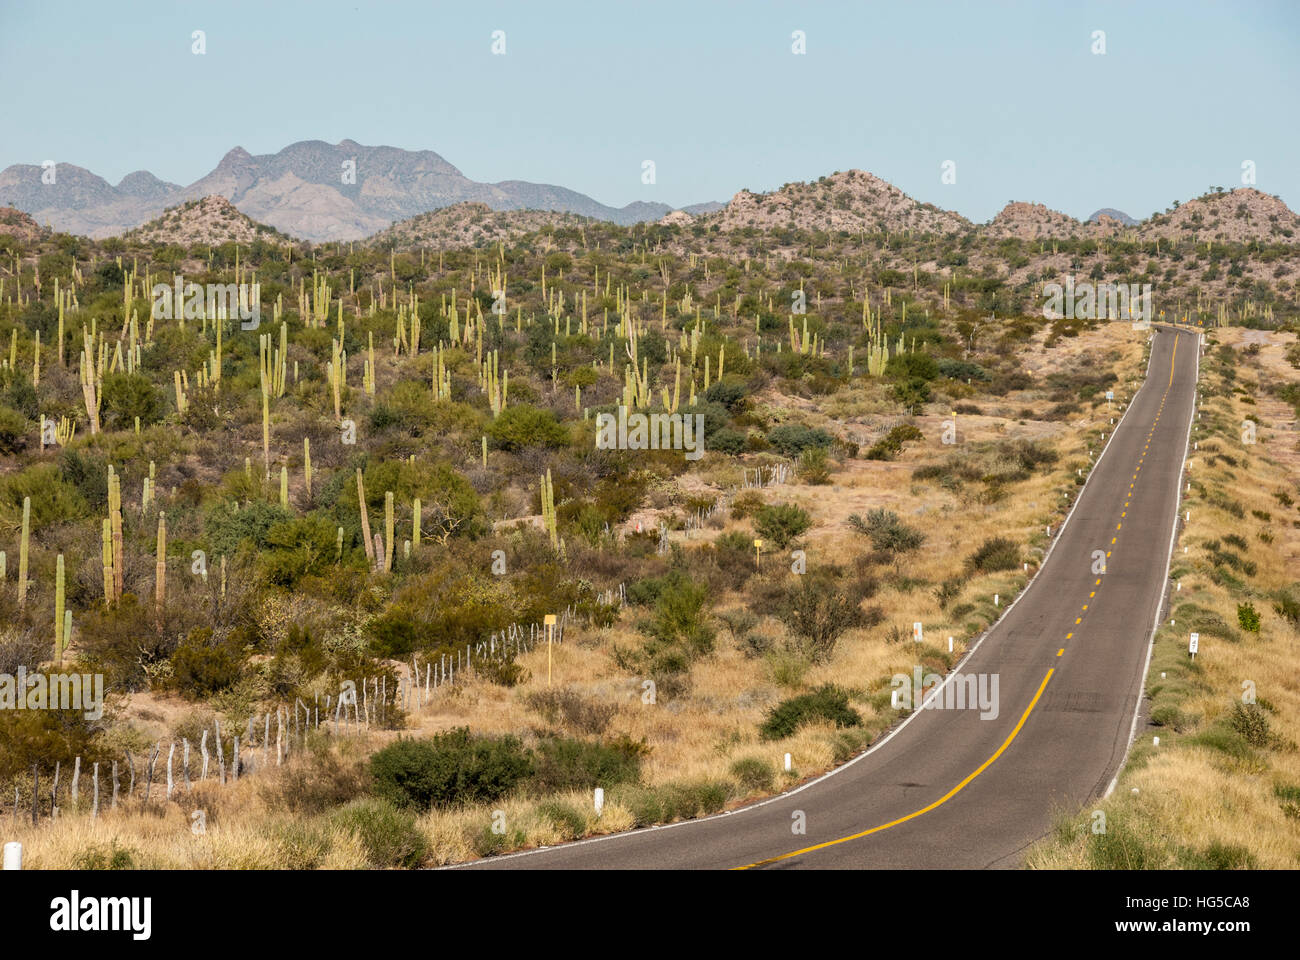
710, 91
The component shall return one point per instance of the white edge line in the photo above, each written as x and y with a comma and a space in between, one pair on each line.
1169, 561
644, 831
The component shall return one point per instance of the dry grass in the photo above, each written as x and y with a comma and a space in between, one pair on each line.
1204, 797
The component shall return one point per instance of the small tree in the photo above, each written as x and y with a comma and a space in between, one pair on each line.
782, 523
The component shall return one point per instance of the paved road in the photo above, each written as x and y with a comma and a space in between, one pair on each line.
949, 789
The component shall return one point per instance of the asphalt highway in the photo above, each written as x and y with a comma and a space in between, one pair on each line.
950, 788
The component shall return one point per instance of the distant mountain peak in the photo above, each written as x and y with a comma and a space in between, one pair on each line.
1117, 215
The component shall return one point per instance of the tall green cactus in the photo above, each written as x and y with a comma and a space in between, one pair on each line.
22, 551
548, 508
388, 531
58, 608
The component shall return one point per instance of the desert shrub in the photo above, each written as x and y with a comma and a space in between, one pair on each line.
565, 705
818, 613
730, 393
1248, 617
889, 535
526, 426
1218, 856
129, 395
686, 799
813, 466
891, 444
792, 439
54, 499
1250, 722
13, 431
745, 503
565, 764
728, 441
504, 673
321, 782
449, 768
390, 836
202, 667
678, 628
754, 773
226, 529
101, 856
826, 703
1287, 604
912, 394
642, 803
781, 523
298, 547
995, 553
568, 821
948, 591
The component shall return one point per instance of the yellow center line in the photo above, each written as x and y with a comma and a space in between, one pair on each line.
938, 803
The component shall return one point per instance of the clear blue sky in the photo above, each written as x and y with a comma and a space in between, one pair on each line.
709, 90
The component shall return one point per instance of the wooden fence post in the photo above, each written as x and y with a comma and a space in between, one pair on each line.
76, 782
114, 784
94, 809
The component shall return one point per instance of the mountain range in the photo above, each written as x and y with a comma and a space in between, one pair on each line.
311, 189
317, 191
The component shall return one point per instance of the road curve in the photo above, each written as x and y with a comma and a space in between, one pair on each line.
951, 790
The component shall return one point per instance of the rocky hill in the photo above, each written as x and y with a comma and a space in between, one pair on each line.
1242, 215
211, 220
470, 225
854, 200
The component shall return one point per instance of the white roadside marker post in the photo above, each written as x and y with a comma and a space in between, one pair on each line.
13, 855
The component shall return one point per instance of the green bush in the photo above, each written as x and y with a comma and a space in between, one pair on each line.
1248, 617
390, 836
891, 444
754, 773
813, 466
826, 703
563, 764
792, 439
130, 395
996, 553
13, 431
1250, 722
201, 667
449, 768
781, 524
524, 426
